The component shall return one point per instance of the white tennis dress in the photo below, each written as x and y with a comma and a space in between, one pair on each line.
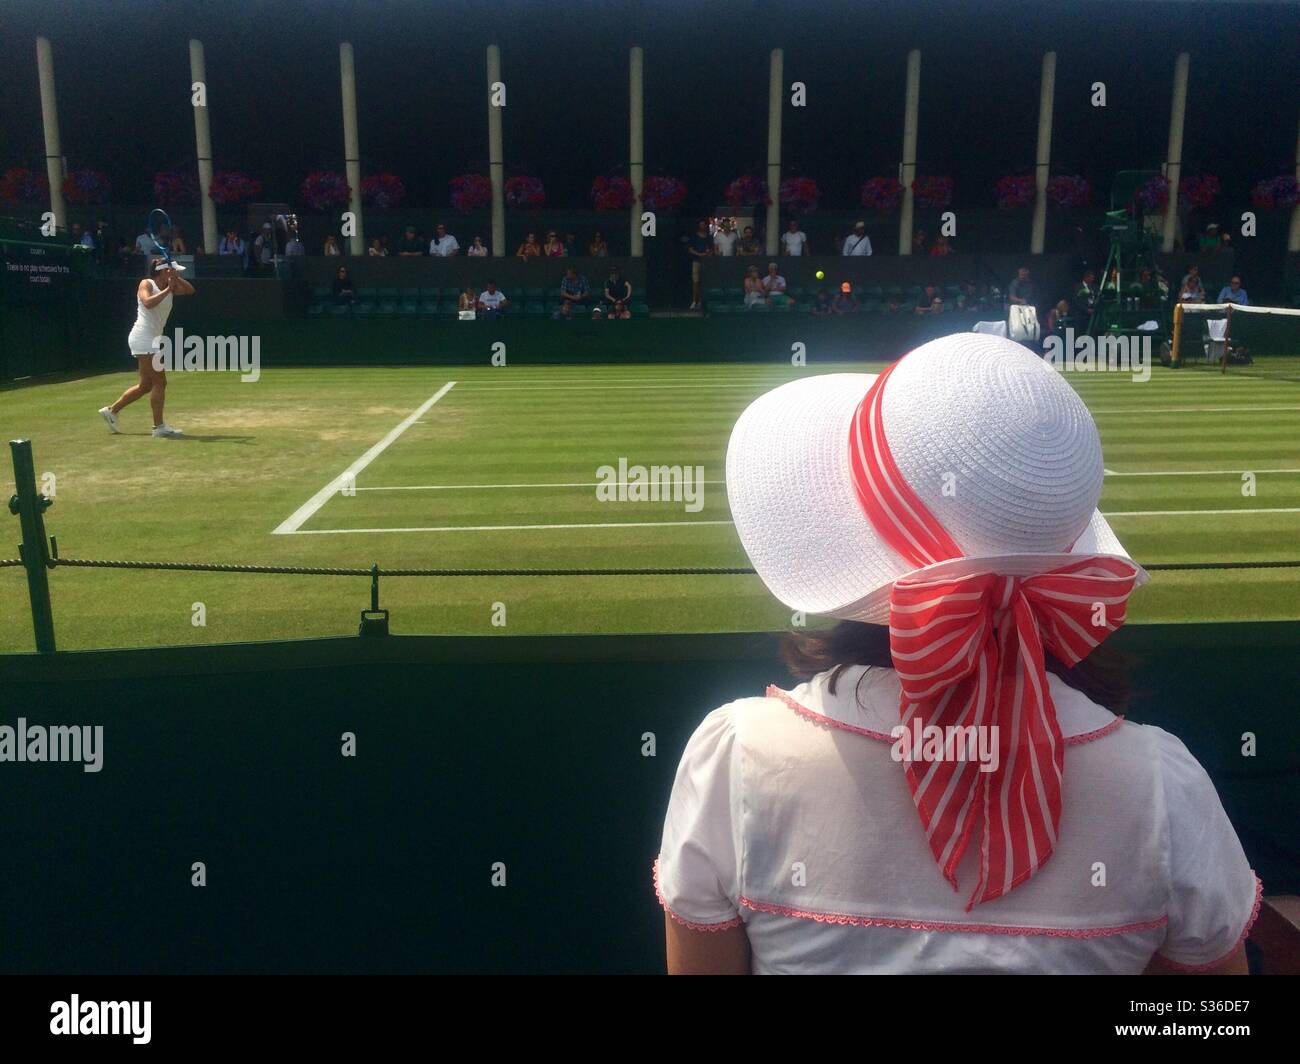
789, 816
149, 322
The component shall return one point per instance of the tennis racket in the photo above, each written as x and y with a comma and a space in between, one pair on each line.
160, 225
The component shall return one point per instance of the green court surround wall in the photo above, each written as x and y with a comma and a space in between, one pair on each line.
524, 750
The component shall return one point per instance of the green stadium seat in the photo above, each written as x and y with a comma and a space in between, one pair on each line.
338, 310
535, 308
640, 310
449, 295
321, 293
367, 301
429, 308
873, 291
535, 295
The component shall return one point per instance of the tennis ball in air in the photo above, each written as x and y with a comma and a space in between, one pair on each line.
821, 275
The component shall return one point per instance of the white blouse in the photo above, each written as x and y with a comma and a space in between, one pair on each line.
789, 815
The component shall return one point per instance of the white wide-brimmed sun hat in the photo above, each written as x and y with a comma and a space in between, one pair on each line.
990, 438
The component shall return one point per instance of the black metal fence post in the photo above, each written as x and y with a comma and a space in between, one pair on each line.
29, 505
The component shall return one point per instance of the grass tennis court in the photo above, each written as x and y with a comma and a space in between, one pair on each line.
483, 467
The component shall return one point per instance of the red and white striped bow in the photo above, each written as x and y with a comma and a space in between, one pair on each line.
969, 651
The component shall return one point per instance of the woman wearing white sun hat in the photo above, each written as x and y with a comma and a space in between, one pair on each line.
942, 795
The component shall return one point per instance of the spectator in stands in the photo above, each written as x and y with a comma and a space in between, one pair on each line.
330, 246
492, 303
822, 306
232, 245
919, 240
177, 242
1191, 289
144, 244
618, 289
725, 238
564, 312
1232, 292
443, 245
755, 293
619, 311
376, 249
574, 290
598, 249
895, 305
264, 246
1212, 239
941, 246
1021, 290
75, 233
477, 249
699, 248
468, 299
748, 243
794, 241
554, 247
925, 301
410, 246
343, 291
775, 287
1086, 294
937, 306
844, 302
1057, 317
857, 242
530, 248
971, 294
570, 246
294, 245
1150, 294
103, 240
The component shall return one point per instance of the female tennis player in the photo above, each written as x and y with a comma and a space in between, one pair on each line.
153, 300
949, 790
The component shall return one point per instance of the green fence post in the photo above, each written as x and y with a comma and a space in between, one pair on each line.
29, 504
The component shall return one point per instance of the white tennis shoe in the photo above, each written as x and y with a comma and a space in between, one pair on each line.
165, 430
107, 414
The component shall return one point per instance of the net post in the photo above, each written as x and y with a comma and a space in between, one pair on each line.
1227, 342
1175, 341
28, 505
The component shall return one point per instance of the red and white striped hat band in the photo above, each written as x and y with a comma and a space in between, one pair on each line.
969, 651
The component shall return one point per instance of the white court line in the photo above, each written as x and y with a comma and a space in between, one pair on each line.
506, 528
624, 484
1191, 409
678, 524
294, 522
1198, 513
1201, 472
472, 487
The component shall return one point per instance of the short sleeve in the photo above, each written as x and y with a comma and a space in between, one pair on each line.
697, 873
1213, 894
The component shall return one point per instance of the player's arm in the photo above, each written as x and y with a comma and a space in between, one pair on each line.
181, 287
705, 952
149, 298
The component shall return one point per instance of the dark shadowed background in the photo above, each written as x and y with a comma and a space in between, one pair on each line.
273, 74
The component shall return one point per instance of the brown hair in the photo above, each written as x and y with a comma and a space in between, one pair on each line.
1103, 676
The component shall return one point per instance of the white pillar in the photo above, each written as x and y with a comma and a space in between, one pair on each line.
203, 148
50, 119
496, 165
1293, 239
636, 145
775, 97
352, 145
1174, 163
1043, 160
907, 171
